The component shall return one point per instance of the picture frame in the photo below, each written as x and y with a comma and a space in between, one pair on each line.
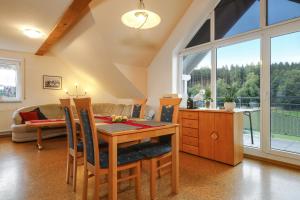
52, 82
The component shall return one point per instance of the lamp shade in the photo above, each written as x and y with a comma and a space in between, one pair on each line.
141, 19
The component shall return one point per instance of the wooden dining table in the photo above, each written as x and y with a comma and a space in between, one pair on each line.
113, 138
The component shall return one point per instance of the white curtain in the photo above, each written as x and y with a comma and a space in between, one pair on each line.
8, 73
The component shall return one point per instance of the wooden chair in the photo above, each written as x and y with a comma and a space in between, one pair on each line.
138, 109
75, 146
159, 153
96, 160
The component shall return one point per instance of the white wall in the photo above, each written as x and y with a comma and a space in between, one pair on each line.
136, 75
35, 68
162, 72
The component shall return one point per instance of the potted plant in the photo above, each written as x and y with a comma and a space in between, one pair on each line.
207, 98
229, 99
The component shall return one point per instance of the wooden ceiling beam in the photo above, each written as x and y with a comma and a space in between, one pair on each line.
71, 16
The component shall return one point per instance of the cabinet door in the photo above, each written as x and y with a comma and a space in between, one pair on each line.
180, 130
206, 128
223, 145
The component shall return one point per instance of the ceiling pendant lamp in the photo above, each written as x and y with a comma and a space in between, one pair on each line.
141, 18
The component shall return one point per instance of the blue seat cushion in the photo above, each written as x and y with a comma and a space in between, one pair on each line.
125, 156
102, 144
150, 150
80, 146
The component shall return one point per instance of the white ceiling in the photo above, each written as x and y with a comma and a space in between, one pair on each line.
130, 46
17, 14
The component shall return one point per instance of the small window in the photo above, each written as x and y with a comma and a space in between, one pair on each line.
202, 36
281, 10
10, 80
233, 17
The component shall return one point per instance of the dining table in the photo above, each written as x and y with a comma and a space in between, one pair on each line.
131, 131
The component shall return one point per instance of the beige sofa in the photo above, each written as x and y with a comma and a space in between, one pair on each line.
22, 133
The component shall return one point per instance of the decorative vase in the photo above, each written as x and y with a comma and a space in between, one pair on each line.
190, 103
207, 104
229, 106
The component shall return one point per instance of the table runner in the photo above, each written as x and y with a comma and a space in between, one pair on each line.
128, 125
116, 127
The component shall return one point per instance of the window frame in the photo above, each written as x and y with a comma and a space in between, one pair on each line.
20, 81
264, 33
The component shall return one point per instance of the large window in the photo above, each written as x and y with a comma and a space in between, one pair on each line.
235, 16
238, 67
281, 10
202, 36
10, 80
285, 92
254, 48
197, 69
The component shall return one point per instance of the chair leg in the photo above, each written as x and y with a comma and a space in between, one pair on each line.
74, 173
119, 183
85, 183
96, 186
159, 171
131, 172
68, 169
138, 182
153, 175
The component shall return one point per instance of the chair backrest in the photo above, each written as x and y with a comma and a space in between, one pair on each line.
138, 108
88, 128
70, 123
168, 112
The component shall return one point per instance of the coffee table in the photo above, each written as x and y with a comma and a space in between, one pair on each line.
40, 124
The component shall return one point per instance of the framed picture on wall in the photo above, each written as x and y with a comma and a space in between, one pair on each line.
52, 82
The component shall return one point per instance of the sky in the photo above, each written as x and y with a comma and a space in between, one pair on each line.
285, 48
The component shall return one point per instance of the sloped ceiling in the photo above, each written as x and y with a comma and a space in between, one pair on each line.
18, 14
100, 41
99, 44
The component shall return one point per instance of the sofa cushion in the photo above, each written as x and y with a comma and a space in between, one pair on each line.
52, 111
27, 116
104, 109
117, 109
40, 114
127, 110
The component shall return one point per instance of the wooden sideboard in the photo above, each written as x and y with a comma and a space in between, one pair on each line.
212, 134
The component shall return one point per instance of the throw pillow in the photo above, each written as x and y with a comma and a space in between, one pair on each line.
39, 113
27, 116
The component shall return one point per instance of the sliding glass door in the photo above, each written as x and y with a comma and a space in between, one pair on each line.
285, 93
238, 67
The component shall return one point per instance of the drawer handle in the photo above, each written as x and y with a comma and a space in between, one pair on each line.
214, 136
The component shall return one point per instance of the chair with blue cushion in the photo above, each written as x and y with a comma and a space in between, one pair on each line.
75, 146
96, 159
159, 153
138, 108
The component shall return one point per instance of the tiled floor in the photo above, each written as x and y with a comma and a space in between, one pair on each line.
26, 174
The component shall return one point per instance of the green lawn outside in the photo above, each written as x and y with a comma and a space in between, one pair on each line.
287, 112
